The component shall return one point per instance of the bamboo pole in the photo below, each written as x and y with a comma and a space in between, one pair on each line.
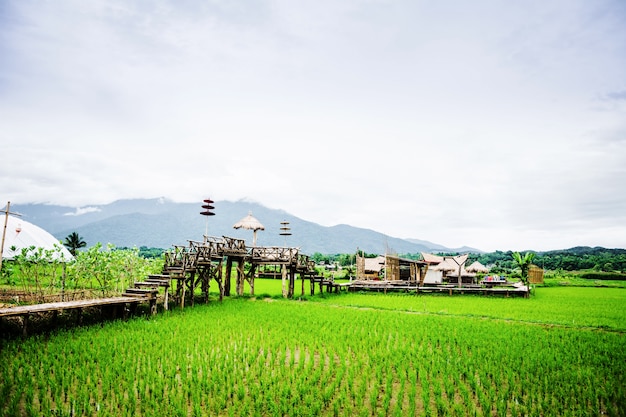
4, 231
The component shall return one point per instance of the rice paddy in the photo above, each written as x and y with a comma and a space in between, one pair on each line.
558, 353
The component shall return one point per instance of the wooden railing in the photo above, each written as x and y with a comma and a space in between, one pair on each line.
274, 254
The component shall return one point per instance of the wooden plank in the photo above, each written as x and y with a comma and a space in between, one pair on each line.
66, 305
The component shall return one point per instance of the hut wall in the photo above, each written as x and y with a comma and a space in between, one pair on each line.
433, 277
535, 274
360, 267
392, 269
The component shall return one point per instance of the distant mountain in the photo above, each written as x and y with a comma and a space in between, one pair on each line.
162, 223
439, 248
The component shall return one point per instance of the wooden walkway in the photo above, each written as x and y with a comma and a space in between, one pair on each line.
408, 286
329, 284
26, 311
67, 305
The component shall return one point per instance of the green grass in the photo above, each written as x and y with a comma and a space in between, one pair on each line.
559, 352
601, 307
578, 307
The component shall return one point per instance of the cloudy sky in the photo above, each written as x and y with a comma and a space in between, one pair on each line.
494, 124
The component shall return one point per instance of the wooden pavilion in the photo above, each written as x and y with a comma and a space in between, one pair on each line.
199, 263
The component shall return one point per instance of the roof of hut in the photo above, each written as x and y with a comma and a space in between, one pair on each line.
477, 267
452, 263
432, 259
445, 265
249, 223
374, 264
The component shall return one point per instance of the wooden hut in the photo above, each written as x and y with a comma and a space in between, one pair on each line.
369, 268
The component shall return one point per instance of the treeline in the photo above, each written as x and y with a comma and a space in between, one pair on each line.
574, 259
146, 252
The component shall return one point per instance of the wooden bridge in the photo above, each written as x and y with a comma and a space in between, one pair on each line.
197, 264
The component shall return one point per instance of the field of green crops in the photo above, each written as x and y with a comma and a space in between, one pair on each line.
561, 352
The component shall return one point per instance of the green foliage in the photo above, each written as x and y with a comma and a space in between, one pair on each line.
146, 252
35, 271
524, 262
341, 259
38, 272
110, 270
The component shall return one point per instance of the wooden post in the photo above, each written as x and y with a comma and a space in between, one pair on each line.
241, 277
182, 296
165, 298
292, 277
192, 288
153, 305
240, 270
4, 231
25, 320
227, 280
283, 269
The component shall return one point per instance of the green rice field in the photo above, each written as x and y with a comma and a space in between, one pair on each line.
560, 352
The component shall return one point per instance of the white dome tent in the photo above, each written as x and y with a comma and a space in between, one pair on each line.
21, 234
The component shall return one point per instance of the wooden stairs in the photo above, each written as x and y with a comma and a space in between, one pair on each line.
149, 289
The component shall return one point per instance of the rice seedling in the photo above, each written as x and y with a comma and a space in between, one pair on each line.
327, 356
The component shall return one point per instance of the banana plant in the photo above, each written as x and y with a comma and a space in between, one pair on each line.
524, 262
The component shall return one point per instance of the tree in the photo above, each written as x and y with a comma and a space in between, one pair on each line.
524, 262
73, 242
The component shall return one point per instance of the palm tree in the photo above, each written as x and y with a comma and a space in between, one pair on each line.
73, 242
524, 263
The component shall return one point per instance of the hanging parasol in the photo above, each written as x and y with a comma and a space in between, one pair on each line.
250, 223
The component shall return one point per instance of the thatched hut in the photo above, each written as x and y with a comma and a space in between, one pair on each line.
477, 268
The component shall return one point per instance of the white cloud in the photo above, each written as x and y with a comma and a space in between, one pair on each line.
83, 210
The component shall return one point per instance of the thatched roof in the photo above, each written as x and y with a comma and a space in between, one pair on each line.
374, 264
431, 259
445, 265
249, 223
477, 267
451, 264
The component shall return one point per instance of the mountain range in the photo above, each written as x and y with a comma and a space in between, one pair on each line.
161, 223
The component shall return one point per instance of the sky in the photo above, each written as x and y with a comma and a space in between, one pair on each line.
494, 124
